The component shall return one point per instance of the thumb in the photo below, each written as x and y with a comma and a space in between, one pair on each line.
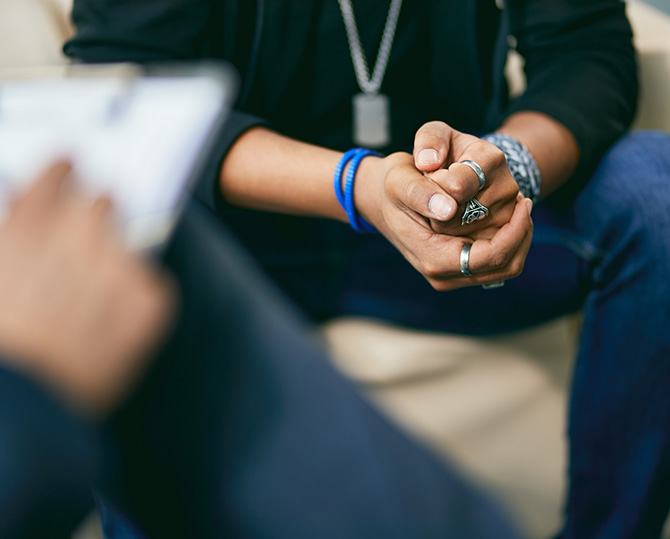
425, 197
442, 206
431, 146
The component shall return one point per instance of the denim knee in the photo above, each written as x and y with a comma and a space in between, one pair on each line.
628, 197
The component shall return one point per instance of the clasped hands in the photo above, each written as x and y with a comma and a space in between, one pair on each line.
417, 202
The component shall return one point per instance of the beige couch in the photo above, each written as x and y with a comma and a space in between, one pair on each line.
494, 405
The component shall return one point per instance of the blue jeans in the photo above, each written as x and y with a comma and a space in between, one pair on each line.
608, 255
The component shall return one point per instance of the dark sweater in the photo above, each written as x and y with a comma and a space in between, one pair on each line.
446, 63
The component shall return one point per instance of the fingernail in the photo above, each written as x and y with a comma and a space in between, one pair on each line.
529, 205
427, 157
441, 206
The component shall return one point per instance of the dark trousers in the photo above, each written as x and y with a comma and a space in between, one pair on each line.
241, 428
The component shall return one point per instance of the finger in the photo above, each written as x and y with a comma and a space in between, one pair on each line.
457, 182
496, 254
48, 184
431, 146
102, 210
419, 194
50, 181
99, 219
87, 223
461, 178
512, 269
42, 197
489, 158
500, 212
498, 259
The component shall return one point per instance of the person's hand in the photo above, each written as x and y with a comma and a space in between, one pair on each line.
439, 151
76, 309
403, 205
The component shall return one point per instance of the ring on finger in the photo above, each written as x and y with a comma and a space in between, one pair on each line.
478, 170
465, 260
474, 211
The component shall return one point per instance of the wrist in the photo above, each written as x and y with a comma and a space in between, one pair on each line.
345, 185
520, 163
367, 188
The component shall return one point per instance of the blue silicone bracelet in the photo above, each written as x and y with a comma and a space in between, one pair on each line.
356, 221
337, 179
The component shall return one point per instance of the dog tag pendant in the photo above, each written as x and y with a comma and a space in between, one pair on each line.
372, 125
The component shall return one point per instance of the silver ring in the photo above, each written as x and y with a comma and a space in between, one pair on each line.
474, 211
465, 259
478, 170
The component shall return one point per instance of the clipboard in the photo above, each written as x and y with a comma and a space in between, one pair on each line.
138, 135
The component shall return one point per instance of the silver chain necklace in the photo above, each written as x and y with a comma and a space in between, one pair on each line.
371, 109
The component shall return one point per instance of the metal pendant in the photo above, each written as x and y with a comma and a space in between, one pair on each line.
372, 123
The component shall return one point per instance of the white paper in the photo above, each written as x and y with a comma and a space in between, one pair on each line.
135, 140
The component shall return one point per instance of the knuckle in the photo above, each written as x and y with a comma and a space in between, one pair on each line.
516, 267
412, 192
432, 271
396, 156
393, 183
435, 124
459, 191
508, 192
499, 259
438, 285
495, 156
430, 134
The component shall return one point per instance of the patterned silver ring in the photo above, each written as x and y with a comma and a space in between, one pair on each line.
474, 211
478, 170
465, 259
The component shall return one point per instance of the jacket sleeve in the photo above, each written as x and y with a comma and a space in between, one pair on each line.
154, 31
580, 67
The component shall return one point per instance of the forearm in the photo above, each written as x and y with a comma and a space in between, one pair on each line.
552, 145
268, 171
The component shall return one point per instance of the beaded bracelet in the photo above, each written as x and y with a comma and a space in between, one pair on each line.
521, 164
345, 195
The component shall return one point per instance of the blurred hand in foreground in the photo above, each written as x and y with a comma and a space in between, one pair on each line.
77, 310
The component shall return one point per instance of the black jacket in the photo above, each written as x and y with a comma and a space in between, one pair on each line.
579, 59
